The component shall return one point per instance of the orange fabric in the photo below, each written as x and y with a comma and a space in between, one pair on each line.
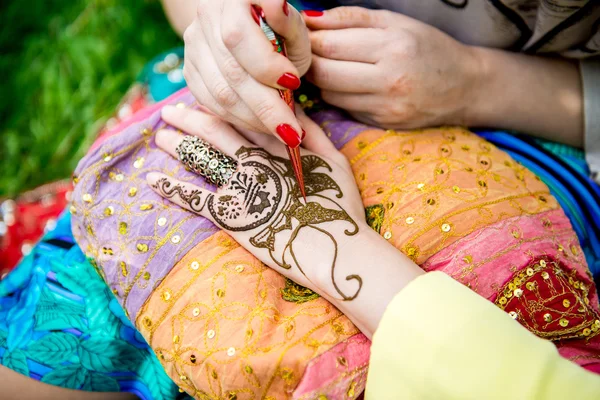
435, 186
223, 328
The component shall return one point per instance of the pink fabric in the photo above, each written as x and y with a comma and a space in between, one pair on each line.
342, 370
141, 115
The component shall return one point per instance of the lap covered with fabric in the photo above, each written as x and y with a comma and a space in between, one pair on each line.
223, 324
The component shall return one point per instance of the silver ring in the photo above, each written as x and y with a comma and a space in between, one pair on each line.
199, 156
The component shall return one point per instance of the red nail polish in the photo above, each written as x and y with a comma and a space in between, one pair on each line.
254, 14
312, 13
288, 135
289, 81
286, 9
303, 134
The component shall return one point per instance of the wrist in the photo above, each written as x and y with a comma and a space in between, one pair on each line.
481, 74
384, 272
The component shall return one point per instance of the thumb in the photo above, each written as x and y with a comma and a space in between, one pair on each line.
345, 17
292, 28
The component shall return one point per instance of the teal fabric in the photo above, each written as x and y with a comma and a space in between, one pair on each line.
59, 323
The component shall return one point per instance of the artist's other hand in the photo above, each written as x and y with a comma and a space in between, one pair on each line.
322, 243
232, 69
390, 70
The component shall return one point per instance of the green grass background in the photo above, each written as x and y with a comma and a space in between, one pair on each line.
64, 66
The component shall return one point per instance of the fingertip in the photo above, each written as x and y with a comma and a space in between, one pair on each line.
152, 178
168, 111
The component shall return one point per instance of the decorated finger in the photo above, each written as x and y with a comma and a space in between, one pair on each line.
184, 194
205, 126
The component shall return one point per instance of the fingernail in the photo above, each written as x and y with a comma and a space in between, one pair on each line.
288, 135
254, 14
286, 9
312, 13
303, 134
289, 81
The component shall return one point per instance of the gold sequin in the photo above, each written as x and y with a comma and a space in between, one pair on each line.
387, 235
431, 202
181, 390
193, 359
231, 396
175, 339
214, 374
119, 177
545, 275
530, 285
542, 199
483, 184
146, 131
146, 275
166, 295
587, 331
239, 268
183, 378
146, 207
249, 332
302, 98
73, 210
87, 198
107, 158
380, 190
566, 303
196, 312
342, 361
446, 228
162, 221
231, 351
210, 334
142, 247
362, 177
124, 270
220, 293
529, 271
502, 300
574, 250
139, 162
132, 191
410, 220
176, 239
123, 228
547, 317
576, 285
361, 145
543, 263
420, 186
195, 265
108, 211
456, 189
513, 314
468, 259
147, 322
248, 369
563, 322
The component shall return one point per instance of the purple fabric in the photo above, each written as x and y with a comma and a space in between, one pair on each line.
112, 237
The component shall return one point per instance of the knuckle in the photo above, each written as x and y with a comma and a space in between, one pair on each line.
224, 95
234, 72
264, 110
327, 46
232, 35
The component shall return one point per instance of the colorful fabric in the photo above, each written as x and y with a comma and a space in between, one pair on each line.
185, 284
60, 324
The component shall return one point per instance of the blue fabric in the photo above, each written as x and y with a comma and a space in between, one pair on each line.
565, 172
59, 323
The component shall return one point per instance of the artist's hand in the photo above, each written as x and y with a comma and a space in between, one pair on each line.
390, 70
322, 243
232, 69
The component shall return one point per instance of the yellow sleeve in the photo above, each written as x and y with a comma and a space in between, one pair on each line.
440, 340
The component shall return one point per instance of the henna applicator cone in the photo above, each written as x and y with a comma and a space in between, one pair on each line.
287, 95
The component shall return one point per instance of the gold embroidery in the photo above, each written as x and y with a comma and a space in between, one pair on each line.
555, 306
296, 293
375, 215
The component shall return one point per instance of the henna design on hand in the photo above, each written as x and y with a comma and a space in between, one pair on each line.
263, 196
